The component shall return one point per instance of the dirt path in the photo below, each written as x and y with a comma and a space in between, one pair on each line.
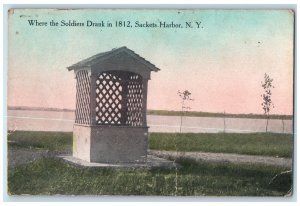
224, 157
18, 156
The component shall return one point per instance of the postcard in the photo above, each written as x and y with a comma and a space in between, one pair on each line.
150, 102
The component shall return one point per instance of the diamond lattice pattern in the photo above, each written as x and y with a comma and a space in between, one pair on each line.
82, 112
135, 101
119, 98
108, 98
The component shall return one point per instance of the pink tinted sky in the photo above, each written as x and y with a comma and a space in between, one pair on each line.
222, 64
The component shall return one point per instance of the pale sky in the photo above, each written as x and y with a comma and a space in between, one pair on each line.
221, 64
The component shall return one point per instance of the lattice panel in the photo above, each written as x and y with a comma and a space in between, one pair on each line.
109, 98
82, 112
135, 101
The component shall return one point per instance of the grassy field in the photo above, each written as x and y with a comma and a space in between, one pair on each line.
52, 176
41, 140
269, 144
49, 176
209, 114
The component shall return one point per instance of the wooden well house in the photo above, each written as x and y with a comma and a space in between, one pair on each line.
111, 106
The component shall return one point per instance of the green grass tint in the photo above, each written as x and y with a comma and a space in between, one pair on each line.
41, 140
53, 176
269, 144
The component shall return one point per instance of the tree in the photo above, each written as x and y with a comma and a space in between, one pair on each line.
185, 96
266, 96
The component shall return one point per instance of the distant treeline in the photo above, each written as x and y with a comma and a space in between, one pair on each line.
209, 114
38, 109
171, 113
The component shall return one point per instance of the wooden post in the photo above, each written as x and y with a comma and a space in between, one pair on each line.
124, 94
144, 108
93, 86
224, 122
282, 125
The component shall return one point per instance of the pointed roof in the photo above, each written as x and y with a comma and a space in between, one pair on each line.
93, 60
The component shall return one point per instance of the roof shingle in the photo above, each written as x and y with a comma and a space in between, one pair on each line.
105, 55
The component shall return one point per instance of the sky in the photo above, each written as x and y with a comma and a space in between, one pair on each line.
222, 63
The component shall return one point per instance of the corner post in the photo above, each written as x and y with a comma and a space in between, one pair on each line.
93, 86
144, 110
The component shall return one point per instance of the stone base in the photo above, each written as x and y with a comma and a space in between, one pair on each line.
110, 144
151, 162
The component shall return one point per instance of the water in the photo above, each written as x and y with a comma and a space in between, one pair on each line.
63, 121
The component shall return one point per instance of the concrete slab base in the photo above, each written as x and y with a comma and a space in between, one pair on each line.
152, 162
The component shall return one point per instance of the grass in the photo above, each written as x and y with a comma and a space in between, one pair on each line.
41, 140
50, 176
209, 114
268, 144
